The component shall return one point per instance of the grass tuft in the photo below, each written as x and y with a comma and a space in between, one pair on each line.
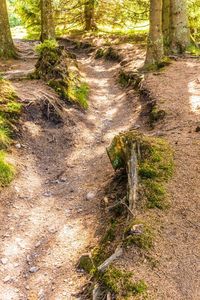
6, 171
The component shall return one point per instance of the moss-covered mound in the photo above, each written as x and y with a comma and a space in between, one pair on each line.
108, 53
9, 114
155, 163
59, 68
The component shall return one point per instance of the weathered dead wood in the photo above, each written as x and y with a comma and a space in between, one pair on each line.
118, 252
132, 179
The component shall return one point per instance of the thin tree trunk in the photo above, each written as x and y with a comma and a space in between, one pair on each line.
47, 20
155, 51
7, 48
89, 15
166, 26
180, 33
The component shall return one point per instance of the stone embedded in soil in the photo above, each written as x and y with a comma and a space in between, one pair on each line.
90, 196
7, 279
4, 261
33, 269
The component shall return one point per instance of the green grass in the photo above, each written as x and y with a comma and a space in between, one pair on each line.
6, 171
78, 92
194, 50
47, 44
5, 137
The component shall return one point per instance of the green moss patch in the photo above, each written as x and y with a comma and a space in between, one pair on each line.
59, 68
6, 171
155, 163
120, 282
9, 114
108, 53
140, 235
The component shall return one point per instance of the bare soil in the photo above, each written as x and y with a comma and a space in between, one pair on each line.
46, 220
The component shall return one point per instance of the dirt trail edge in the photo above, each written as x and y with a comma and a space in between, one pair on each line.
46, 221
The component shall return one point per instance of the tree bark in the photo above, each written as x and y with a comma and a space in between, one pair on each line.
166, 25
89, 15
47, 20
155, 50
7, 48
180, 33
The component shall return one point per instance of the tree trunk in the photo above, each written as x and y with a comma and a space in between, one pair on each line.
7, 48
155, 51
166, 26
180, 33
47, 20
89, 15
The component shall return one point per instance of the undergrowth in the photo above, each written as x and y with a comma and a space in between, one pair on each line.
59, 68
9, 113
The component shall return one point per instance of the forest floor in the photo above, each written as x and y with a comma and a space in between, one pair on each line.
47, 222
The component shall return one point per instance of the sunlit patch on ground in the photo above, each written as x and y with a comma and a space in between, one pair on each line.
194, 95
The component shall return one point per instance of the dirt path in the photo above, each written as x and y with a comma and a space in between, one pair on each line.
46, 221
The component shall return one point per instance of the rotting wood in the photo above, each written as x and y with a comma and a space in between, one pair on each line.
118, 252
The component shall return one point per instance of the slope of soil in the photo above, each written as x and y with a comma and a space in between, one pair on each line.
46, 221
172, 269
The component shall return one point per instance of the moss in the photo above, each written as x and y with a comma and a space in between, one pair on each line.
6, 171
5, 137
130, 79
108, 53
156, 115
79, 93
86, 263
59, 68
143, 239
99, 53
47, 44
155, 163
9, 112
120, 282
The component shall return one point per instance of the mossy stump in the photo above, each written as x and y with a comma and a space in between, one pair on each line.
154, 159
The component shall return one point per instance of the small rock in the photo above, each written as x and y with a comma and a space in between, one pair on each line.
38, 244
47, 194
33, 269
90, 196
18, 146
7, 279
63, 179
79, 210
106, 201
4, 261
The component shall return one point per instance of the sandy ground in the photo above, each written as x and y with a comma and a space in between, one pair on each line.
46, 221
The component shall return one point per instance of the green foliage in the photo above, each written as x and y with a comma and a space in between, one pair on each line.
50, 45
194, 50
79, 93
9, 111
6, 171
120, 282
5, 136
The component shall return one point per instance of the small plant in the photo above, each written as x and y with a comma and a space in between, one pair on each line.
5, 137
78, 92
6, 171
47, 44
